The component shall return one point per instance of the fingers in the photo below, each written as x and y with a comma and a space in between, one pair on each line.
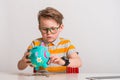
26, 59
28, 62
26, 55
55, 60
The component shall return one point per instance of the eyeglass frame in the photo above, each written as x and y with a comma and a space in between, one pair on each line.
49, 29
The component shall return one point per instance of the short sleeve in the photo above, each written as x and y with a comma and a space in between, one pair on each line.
34, 43
71, 48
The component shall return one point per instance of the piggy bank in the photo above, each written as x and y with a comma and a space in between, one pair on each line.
39, 57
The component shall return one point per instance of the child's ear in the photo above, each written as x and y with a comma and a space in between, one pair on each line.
61, 27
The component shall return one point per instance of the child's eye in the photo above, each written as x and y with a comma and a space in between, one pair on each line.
53, 28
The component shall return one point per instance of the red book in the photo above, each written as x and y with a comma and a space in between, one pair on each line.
72, 70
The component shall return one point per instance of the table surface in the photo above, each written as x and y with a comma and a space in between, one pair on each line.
59, 76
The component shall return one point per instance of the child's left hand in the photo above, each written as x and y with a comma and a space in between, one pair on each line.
56, 60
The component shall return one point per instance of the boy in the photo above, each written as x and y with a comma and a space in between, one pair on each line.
62, 52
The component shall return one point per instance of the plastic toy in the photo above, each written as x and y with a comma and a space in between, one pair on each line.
39, 57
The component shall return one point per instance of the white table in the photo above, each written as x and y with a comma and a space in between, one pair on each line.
55, 76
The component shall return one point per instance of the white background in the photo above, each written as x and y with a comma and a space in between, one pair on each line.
92, 25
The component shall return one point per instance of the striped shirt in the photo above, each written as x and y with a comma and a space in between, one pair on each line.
60, 47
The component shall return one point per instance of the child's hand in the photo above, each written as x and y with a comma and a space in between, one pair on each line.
26, 59
56, 60
24, 62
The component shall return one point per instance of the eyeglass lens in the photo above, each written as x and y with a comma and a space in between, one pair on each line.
52, 30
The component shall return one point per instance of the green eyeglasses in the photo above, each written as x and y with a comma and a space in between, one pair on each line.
53, 30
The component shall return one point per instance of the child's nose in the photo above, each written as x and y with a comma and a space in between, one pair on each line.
48, 31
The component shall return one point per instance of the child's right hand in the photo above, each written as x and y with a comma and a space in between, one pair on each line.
26, 59
24, 62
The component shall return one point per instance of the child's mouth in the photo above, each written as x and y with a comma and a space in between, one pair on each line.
49, 37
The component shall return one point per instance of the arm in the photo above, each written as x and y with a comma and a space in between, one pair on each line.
75, 60
24, 62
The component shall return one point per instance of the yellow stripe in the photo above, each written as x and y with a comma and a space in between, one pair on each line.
61, 50
30, 47
64, 42
58, 51
36, 43
71, 47
50, 44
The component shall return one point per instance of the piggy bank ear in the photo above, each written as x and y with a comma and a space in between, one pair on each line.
45, 55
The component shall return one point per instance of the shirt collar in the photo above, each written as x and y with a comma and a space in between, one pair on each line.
54, 42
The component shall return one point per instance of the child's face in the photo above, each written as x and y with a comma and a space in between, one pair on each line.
50, 29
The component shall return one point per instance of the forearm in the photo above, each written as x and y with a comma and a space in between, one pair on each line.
75, 62
22, 65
